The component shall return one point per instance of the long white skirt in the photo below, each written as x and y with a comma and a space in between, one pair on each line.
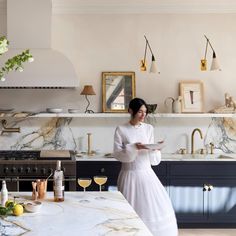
145, 193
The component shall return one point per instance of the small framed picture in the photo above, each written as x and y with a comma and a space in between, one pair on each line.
192, 94
118, 88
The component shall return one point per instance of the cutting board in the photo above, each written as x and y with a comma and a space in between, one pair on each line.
55, 154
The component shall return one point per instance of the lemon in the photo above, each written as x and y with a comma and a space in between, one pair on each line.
18, 210
10, 203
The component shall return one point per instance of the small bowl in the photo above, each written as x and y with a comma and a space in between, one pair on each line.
73, 110
33, 206
151, 108
54, 110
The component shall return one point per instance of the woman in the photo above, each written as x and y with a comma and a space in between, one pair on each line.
137, 181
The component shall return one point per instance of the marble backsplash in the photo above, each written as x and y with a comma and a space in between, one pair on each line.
71, 134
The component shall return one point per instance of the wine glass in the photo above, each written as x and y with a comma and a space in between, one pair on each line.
84, 182
100, 180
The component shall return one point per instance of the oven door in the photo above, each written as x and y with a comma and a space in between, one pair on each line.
24, 184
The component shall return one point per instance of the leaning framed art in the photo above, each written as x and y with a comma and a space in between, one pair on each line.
192, 93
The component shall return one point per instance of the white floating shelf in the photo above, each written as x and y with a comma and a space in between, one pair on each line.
125, 115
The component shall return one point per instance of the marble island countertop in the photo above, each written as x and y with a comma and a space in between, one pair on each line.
84, 214
169, 157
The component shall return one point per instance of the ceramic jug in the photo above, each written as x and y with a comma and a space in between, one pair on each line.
175, 104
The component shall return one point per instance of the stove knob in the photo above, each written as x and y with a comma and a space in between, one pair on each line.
6, 170
35, 169
28, 170
50, 170
13, 170
43, 171
21, 170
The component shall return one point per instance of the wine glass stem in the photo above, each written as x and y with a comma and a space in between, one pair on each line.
84, 189
100, 188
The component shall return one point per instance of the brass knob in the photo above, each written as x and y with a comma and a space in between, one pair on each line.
210, 187
205, 187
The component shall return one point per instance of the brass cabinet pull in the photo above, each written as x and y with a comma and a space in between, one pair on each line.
205, 187
210, 187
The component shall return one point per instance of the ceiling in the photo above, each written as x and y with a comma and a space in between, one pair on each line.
139, 6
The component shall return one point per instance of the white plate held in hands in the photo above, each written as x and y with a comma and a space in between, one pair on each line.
155, 146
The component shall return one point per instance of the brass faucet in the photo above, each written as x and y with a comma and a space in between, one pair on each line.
9, 129
192, 139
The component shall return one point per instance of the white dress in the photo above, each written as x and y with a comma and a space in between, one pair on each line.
139, 183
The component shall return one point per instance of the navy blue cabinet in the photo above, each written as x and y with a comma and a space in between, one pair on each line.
203, 194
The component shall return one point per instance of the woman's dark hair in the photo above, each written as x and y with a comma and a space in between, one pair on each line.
135, 105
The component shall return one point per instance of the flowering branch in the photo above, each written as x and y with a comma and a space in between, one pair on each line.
15, 63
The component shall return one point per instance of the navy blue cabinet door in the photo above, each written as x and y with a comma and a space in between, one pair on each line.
189, 199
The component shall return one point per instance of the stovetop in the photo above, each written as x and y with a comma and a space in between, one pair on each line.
28, 155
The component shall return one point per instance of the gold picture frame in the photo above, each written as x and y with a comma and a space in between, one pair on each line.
192, 93
118, 89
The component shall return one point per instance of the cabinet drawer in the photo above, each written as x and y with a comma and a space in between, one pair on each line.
206, 169
90, 168
161, 169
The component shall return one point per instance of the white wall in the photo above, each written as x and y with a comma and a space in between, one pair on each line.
114, 42
96, 43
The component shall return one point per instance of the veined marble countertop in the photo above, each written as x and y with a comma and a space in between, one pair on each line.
84, 214
170, 157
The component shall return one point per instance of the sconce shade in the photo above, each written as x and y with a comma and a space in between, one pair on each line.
88, 90
143, 66
153, 68
215, 64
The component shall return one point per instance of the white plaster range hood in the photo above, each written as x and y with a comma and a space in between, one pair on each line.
29, 27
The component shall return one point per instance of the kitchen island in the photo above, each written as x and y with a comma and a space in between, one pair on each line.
84, 214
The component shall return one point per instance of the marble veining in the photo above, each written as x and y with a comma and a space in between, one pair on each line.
8, 228
222, 132
84, 214
61, 133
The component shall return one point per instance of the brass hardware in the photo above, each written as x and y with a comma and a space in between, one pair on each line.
205, 187
182, 151
210, 187
202, 151
89, 153
192, 139
211, 148
9, 129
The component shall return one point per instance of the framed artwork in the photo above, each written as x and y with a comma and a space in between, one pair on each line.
118, 88
192, 94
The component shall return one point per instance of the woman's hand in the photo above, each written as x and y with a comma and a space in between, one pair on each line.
140, 146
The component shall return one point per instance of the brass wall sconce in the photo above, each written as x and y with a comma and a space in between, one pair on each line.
88, 90
8, 129
143, 66
215, 64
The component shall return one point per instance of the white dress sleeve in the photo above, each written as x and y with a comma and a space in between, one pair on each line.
123, 153
154, 156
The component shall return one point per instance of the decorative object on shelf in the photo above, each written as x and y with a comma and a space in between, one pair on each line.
88, 90
151, 108
175, 104
229, 107
15, 63
192, 96
118, 89
143, 66
215, 64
